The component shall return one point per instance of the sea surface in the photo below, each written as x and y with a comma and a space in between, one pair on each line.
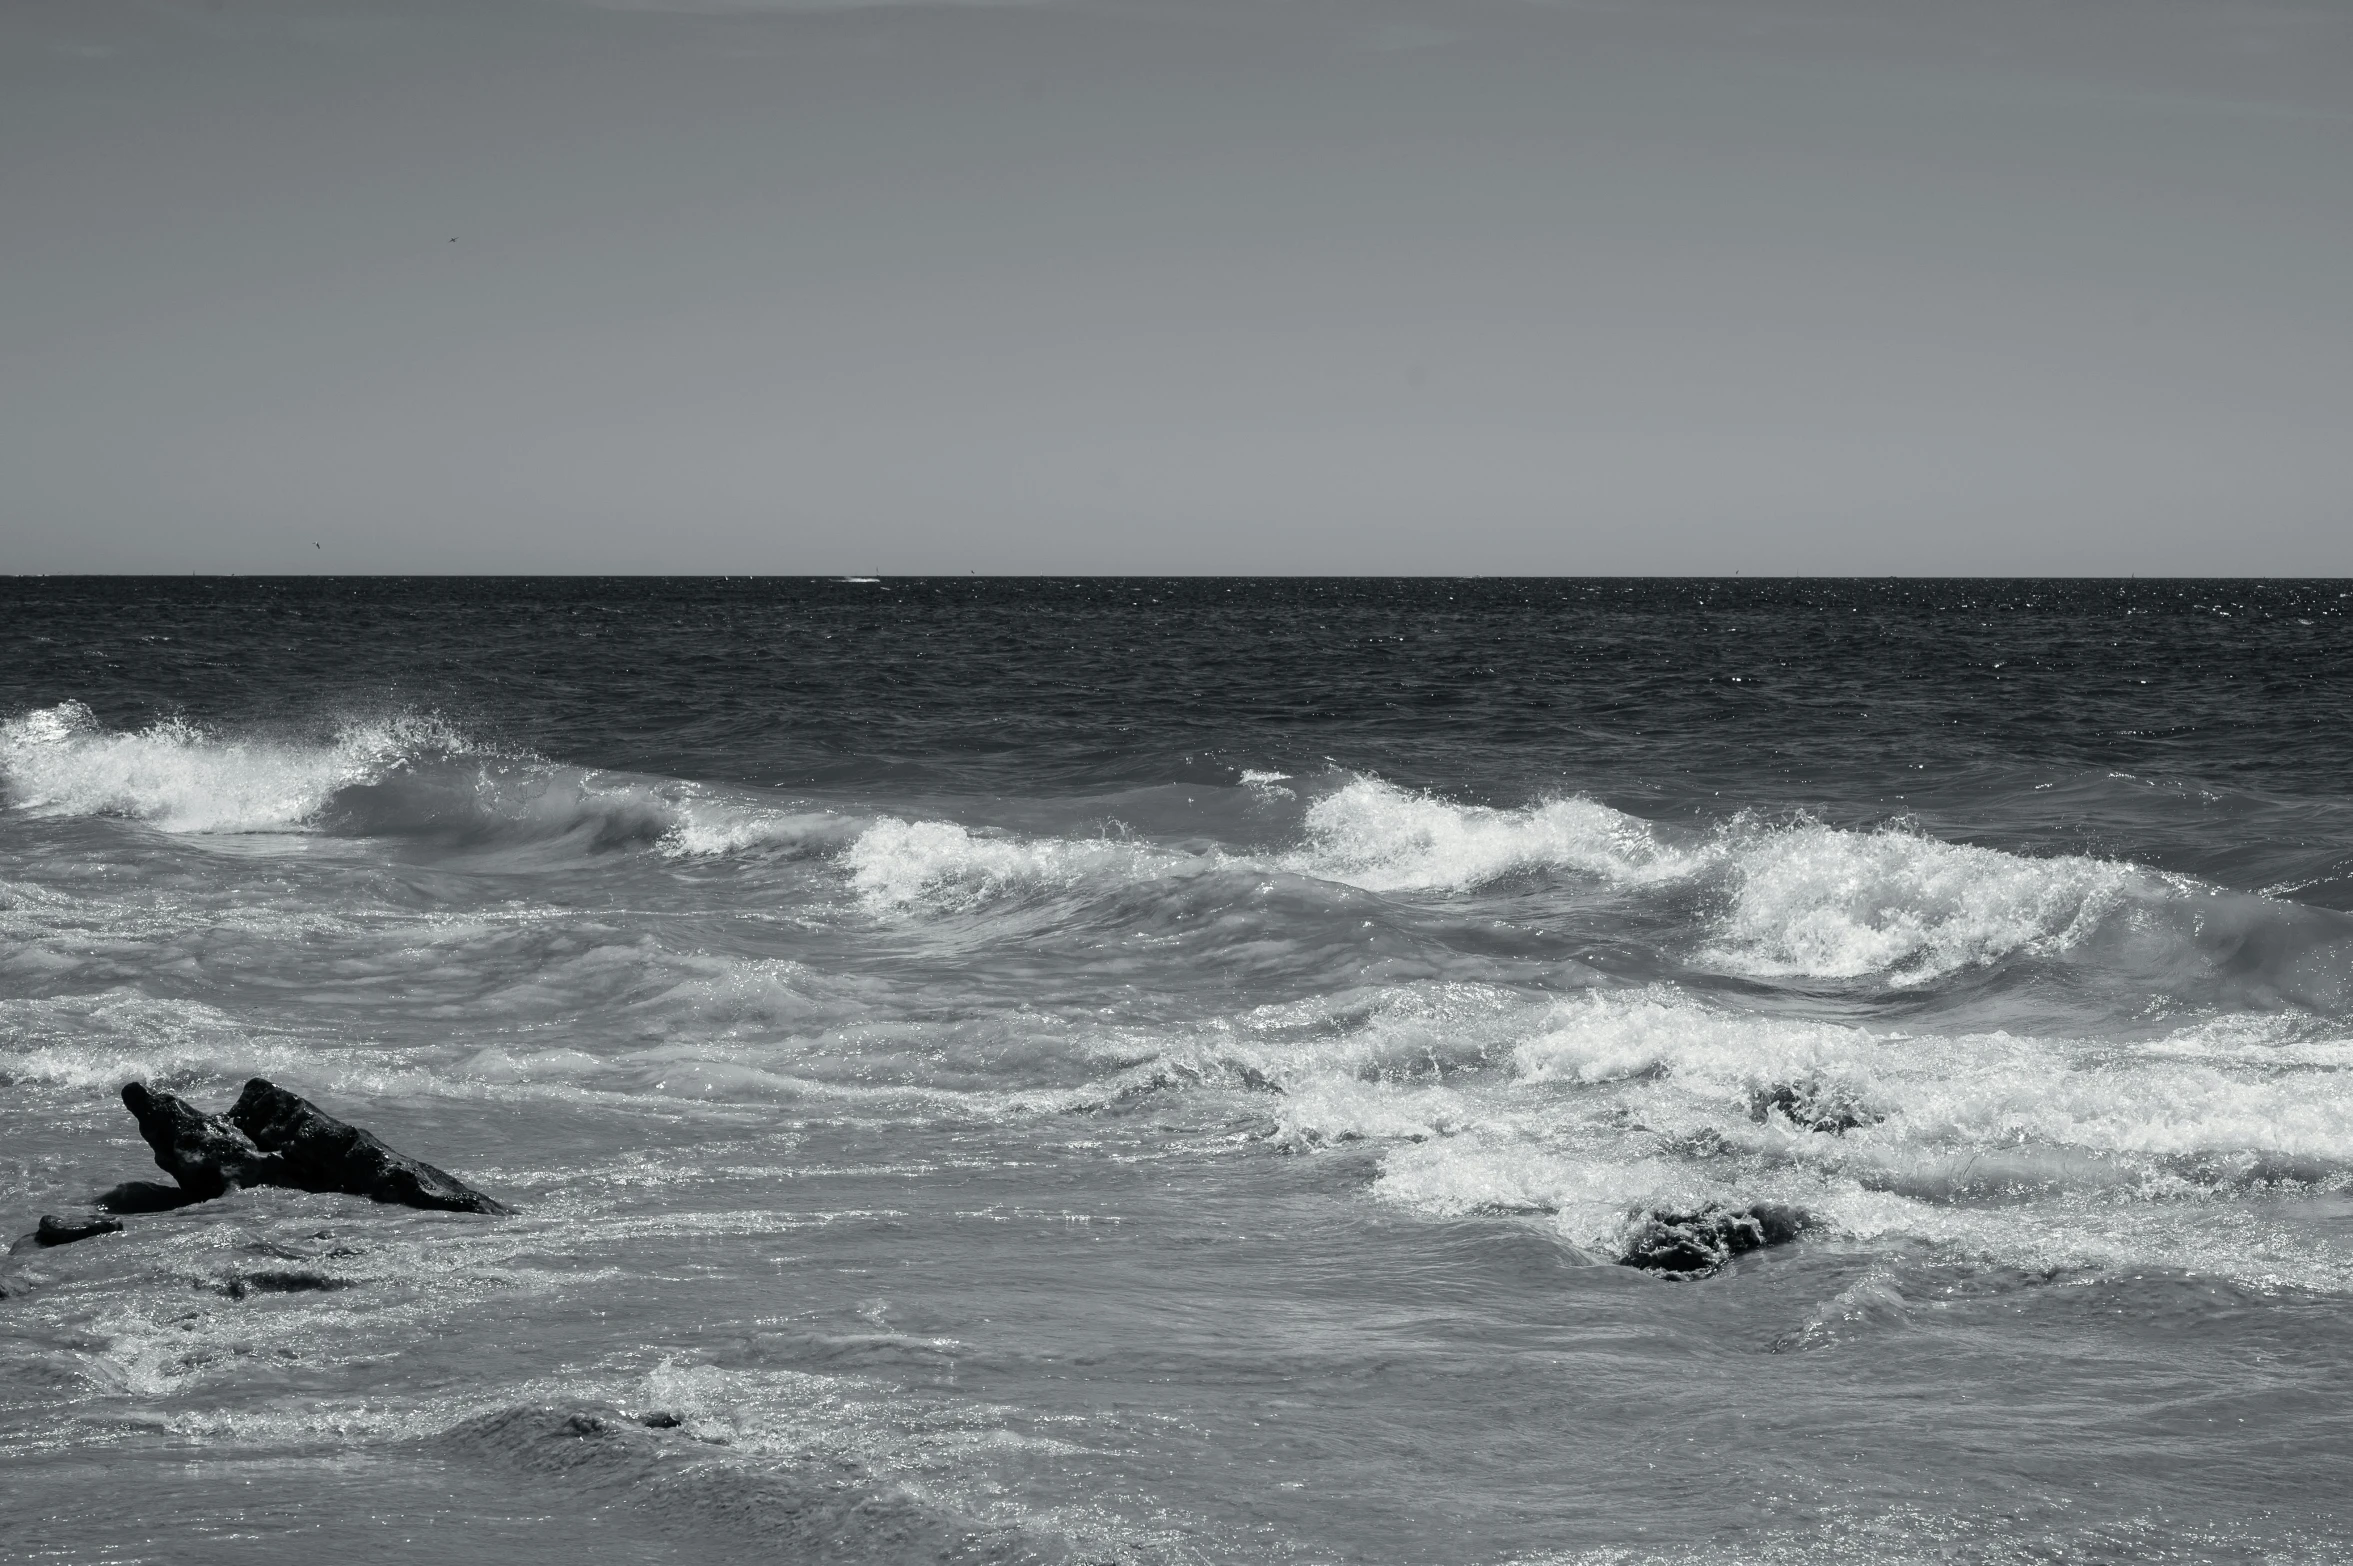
1167, 1071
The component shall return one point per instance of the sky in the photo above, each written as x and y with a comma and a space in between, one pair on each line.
1475, 287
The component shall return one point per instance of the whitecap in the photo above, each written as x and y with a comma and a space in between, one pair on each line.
180, 777
1811, 901
1383, 838
939, 865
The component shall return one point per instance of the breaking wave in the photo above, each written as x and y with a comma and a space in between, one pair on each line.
1801, 900
176, 776
1796, 900
1814, 902
1792, 901
399, 776
1383, 838
944, 867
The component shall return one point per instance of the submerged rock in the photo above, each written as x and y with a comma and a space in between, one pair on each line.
1812, 1106
1692, 1244
273, 1137
145, 1196
82, 1226
282, 1281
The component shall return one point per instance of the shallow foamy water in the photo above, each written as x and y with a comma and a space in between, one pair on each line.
1165, 1072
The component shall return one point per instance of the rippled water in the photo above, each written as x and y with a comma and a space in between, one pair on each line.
1165, 1071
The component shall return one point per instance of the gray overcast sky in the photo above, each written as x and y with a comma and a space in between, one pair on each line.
1183, 285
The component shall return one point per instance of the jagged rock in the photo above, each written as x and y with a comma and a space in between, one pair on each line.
659, 1420
1695, 1243
272, 1137
205, 1153
321, 1153
287, 1281
145, 1196
1811, 1106
82, 1226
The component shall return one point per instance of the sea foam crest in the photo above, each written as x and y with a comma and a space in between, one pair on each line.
179, 777
1383, 838
1812, 901
1803, 900
896, 863
376, 777
1617, 1035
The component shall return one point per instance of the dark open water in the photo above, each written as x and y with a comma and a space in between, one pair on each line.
1161, 1071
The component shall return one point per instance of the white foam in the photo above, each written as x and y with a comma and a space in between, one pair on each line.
1811, 901
1801, 901
939, 865
1338, 1109
177, 776
1961, 1097
182, 777
2026, 1151
1383, 838
1611, 1035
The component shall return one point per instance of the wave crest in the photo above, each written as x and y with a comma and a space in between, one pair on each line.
1800, 901
1383, 838
406, 775
177, 776
1811, 901
945, 867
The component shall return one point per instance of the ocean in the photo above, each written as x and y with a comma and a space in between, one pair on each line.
1174, 1071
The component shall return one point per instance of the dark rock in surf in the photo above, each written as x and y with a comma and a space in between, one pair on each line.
1811, 1106
205, 1153
321, 1153
273, 1137
84, 1226
1695, 1243
659, 1420
145, 1196
288, 1281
